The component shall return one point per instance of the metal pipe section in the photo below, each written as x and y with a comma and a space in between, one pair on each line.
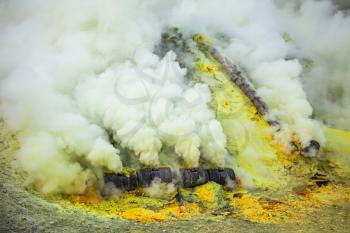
193, 177
235, 74
188, 178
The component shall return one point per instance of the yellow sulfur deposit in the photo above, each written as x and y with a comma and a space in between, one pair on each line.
143, 215
292, 207
250, 207
249, 140
185, 211
207, 68
133, 206
337, 150
205, 193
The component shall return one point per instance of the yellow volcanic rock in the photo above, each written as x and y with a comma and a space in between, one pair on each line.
211, 195
143, 215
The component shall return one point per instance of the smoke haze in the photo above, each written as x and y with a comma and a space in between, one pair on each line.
74, 74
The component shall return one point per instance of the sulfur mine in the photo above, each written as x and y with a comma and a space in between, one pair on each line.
174, 116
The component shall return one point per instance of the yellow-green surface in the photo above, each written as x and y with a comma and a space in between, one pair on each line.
337, 151
249, 141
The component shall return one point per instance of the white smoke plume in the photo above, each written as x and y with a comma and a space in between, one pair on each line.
160, 190
320, 33
148, 104
74, 74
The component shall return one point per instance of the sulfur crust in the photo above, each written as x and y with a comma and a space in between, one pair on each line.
134, 206
246, 131
337, 150
290, 208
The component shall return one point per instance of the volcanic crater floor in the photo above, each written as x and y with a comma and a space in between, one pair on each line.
305, 209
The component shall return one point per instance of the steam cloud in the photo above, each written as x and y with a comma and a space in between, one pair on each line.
74, 74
